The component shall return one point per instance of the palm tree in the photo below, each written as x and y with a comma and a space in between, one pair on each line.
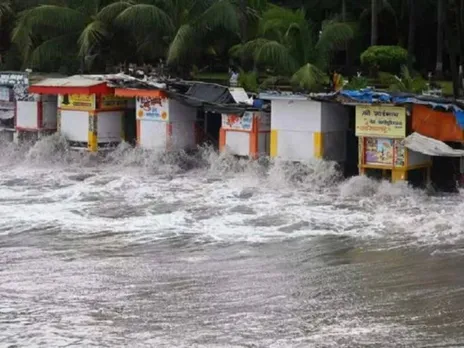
289, 45
374, 22
49, 35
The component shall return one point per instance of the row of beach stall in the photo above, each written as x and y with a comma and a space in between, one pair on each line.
401, 137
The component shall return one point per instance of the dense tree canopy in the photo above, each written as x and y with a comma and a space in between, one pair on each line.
296, 40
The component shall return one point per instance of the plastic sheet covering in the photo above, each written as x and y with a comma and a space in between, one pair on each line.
431, 147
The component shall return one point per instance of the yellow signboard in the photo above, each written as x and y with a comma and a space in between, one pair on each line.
77, 101
113, 102
380, 121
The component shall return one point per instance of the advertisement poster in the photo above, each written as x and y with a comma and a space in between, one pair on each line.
379, 151
77, 101
380, 121
244, 122
152, 109
113, 102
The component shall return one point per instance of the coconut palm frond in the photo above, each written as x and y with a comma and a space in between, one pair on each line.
272, 53
334, 36
144, 18
93, 35
54, 48
6, 12
222, 14
184, 39
109, 13
54, 18
309, 77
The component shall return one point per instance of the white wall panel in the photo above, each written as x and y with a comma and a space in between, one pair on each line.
26, 114
109, 126
75, 125
153, 135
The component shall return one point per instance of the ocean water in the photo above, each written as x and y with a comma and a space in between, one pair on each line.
157, 250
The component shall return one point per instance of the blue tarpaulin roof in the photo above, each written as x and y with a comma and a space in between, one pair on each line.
369, 96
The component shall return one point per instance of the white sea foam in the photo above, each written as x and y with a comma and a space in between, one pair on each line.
212, 196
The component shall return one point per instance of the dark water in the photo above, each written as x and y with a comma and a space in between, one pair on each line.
153, 251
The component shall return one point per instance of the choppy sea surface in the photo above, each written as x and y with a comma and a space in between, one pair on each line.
153, 250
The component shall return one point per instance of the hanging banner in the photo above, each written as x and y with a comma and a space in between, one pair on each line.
380, 121
236, 122
153, 109
77, 101
112, 102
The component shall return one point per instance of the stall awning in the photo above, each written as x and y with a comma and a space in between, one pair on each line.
134, 92
431, 147
71, 85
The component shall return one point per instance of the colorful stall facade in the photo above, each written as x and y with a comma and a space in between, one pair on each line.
89, 116
381, 130
247, 135
303, 129
162, 123
13, 88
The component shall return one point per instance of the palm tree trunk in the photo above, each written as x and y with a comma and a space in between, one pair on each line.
411, 32
374, 22
440, 18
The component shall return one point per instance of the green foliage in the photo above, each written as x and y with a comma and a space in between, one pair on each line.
406, 82
288, 45
248, 80
356, 83
385, 58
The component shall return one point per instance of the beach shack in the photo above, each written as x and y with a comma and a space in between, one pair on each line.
89, 116
162, 123
381, 129
246, 135
179, 115
303, 129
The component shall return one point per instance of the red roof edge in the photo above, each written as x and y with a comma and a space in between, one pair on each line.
96, 89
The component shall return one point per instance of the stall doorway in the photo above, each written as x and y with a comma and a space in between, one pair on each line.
130, 127
445, 172
209, 125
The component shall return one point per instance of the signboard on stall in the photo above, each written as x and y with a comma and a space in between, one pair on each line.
236, 122
113, 102
380, 121
384, 151
153, 109
77, 101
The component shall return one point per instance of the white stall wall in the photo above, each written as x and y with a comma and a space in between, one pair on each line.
74, 125
109, 126
238, 143
181, 113
153, 135
296, 121
183, 135
27, 114
182, 118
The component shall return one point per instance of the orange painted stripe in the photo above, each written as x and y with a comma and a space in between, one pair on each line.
222, 139
254, 150
122, 92
138, 134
